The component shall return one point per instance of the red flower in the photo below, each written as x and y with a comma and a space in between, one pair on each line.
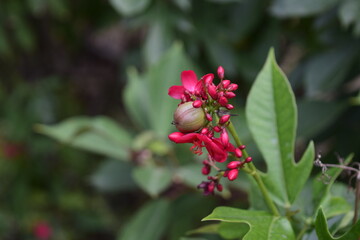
216, 149
190, 85
42, 231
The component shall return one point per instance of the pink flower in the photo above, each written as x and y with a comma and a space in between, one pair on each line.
190, 85
216, 149
42, 231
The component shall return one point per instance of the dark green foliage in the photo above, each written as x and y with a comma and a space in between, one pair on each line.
111, 62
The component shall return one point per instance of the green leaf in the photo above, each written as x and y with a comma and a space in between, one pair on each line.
186, 238
210, 228
130, 7
311, 116
230, 230
137, 107
349, 13
296, 8
323, 232
355, 100
152, 180
160, 35
334, 64
113, 175
163, 75
271, 116
263, 226
181, 223
146, 97
335, 206
148, 223
98, 135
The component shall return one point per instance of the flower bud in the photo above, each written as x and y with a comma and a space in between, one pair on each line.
224, 119
229, 106
233, 164
206, 170
211, 187
197, 103
248, 159
217, 129
219, 187
189, 119
232, 87
220, 72
212, 91
232, 175
223, 101
204, 131
226, 83
224, 137
238, 153
230, 94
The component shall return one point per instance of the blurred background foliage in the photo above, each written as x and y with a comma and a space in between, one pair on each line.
94, 76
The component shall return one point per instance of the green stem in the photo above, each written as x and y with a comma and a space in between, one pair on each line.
251, 169
302, 232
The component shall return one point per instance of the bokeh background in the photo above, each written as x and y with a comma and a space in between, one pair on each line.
84, 111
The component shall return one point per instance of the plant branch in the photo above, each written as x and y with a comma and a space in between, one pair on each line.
251, 169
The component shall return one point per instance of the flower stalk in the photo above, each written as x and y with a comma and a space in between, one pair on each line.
252, 170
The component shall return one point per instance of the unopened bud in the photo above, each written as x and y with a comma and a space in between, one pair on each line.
226, 83
224, 119
224, 137
212, 91
189, 119
229, 106
217, 129
238, 153
233, 174
219, 187
220, 72
242, 147
211, 187
197, 103
233, 164
248, 159
206, 170
232, 87
204, 131
209, 117
223, 101
230, 94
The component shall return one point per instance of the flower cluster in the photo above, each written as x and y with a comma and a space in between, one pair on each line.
202, 114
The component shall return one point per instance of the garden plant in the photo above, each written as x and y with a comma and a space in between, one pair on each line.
179, 119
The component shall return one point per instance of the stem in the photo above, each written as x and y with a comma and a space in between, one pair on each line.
341, 166
357, 196
251, 169
302, 232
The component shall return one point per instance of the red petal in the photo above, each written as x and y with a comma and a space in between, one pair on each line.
189, 80
176, 92
214, 148
179, 137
